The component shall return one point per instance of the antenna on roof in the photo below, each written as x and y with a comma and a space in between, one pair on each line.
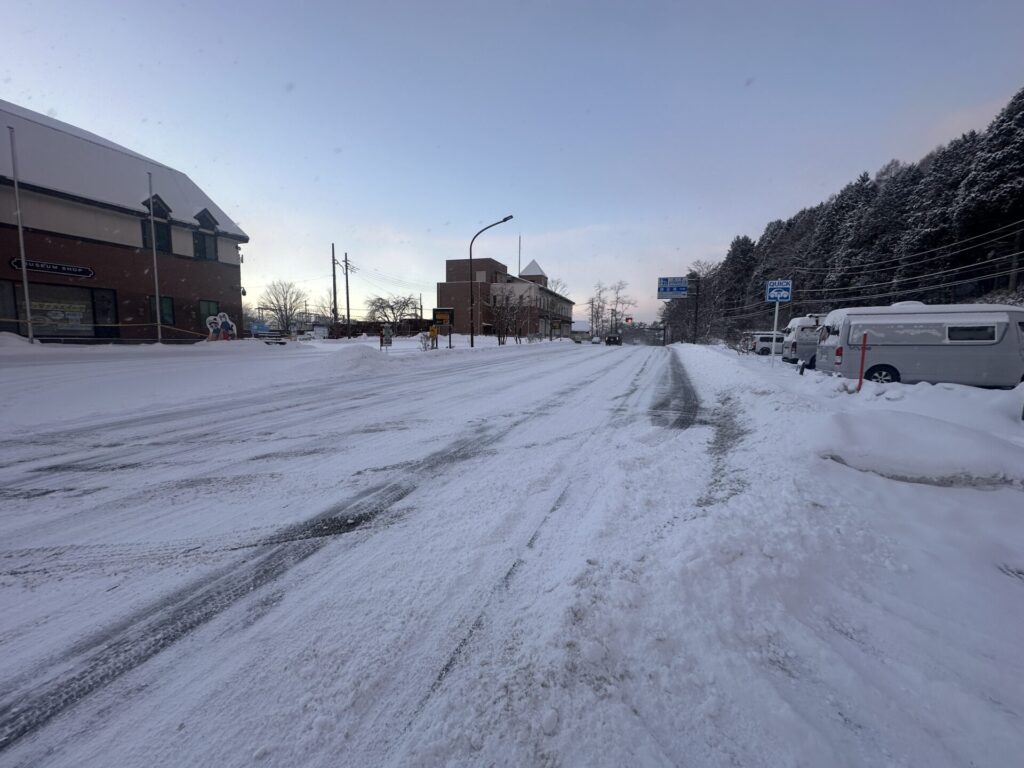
520, 270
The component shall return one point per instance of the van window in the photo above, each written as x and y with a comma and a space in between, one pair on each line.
972, 333
897, 332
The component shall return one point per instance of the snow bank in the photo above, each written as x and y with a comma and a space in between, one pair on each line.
924, 449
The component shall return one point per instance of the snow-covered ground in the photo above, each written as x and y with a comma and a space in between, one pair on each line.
546, 554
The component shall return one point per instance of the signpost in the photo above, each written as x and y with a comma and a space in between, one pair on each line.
777, 291
673, 288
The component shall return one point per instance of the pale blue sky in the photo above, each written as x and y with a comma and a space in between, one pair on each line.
628, 139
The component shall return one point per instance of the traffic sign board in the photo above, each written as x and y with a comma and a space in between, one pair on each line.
779, 290
673, 287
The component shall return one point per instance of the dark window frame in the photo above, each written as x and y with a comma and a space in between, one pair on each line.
163, 236
203, 315
201, 241
166, 302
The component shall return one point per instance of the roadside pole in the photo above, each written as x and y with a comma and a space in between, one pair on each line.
777, 291
334, 287
863, 355
21, 238
348, 309
775, 330
156, 273
696, 306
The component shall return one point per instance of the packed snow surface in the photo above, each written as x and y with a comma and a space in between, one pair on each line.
324, 554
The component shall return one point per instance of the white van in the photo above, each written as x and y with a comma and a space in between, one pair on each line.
801, 340
977, 344
764, 342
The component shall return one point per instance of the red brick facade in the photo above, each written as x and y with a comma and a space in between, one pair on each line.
116, 301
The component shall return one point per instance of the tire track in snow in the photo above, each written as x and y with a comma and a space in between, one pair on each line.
677, 403
129, 643
104, 657
137, 639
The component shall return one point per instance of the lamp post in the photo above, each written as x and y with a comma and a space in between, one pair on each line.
471, 318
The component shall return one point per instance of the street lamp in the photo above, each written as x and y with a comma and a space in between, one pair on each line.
471, 321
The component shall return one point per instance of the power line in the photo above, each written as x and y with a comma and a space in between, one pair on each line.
839, 289
904, 292
905, 279
871, 267
941, 247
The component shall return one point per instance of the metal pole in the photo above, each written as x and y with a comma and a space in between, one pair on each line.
156, 274
334, 286
471, 318
21, 238
696, 307
775, 331
348, 312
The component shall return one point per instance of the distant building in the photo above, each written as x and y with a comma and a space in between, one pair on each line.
85, 212
538, 309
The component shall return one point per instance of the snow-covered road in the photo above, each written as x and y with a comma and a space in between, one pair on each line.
551, 554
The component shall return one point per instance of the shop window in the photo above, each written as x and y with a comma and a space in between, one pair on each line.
204, 246
8, 307
57, 310
163, 235
208, 308
104, 313
166, 309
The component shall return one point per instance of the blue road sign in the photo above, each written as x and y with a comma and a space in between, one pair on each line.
779, 290
673, 287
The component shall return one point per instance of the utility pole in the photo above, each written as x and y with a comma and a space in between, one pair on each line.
334, 286
421, 306
156, 272
696, 307
21, 238
348, 312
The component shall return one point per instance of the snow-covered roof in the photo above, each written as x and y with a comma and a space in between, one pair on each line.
533, 270
61, 158
916, 308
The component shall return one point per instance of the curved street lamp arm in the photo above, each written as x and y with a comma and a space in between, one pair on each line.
471, 302
507, 218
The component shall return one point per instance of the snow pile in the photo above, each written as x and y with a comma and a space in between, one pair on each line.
922, 449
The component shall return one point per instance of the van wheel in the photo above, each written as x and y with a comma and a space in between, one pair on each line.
882, 374
811, 363
763, 351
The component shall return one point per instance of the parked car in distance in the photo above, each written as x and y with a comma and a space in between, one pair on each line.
596, 340
763, 343
613, 339
976, 344
800, 340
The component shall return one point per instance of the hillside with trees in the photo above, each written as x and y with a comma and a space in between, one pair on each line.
946, 229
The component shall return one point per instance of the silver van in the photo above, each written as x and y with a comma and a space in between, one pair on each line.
764, 343
977, 344
801, 340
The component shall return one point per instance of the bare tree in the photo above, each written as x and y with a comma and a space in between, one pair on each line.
598, 306
559, 286
392, 309
620, 302
323, 307
511, 311
285, 302
249, 315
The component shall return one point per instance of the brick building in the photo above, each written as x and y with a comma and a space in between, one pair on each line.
543, 312
85, 214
